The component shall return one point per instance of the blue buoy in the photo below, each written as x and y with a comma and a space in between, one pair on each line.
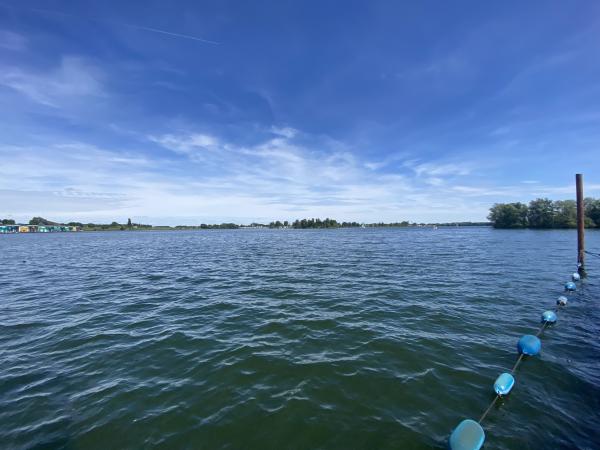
504, 383
549, 317
576, 277
468, 435
562, 300
529, 345
570, 286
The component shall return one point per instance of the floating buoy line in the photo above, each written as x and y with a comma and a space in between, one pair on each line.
469, 434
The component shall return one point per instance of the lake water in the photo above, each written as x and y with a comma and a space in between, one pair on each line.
294, 339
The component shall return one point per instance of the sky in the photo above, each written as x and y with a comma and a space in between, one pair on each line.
188, 112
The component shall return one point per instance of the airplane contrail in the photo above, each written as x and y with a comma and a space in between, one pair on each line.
169, 33
122, 24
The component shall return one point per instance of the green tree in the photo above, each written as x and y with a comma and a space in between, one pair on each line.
565, 214
41, 221
541, 213
129, 224
592, 210
8, 222
508, 215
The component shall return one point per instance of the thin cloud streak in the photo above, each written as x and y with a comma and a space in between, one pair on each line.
111, 22
170, 33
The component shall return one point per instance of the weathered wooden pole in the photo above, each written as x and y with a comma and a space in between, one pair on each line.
580, 225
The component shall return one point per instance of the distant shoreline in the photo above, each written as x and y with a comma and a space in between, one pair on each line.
179, 229
176, 229
41, 225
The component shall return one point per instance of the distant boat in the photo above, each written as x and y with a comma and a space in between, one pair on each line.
435, 227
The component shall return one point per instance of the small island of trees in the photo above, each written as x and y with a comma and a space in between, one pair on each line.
544, 213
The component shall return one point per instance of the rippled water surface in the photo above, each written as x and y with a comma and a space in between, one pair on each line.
307, 339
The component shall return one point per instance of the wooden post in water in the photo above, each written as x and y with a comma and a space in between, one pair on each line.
580, 225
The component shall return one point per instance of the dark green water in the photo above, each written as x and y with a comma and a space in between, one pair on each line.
332, 339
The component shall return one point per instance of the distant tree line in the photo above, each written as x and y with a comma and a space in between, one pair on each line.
316, 223
313, 223
204, 226
297, 224
332, 223
111, 226
544, 213
462, 224
42, 221
392, 224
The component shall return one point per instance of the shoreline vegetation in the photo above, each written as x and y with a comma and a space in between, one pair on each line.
543, 213
39, 224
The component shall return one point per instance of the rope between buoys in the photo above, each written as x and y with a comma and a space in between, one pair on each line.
541, 329
488, 409
517, 363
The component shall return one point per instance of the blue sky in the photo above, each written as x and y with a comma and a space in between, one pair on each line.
189, 112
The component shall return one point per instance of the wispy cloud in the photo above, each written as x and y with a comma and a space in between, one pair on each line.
445, 68
189, 144
10, 40
434, 169
209, 179
287, 132
73, 79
